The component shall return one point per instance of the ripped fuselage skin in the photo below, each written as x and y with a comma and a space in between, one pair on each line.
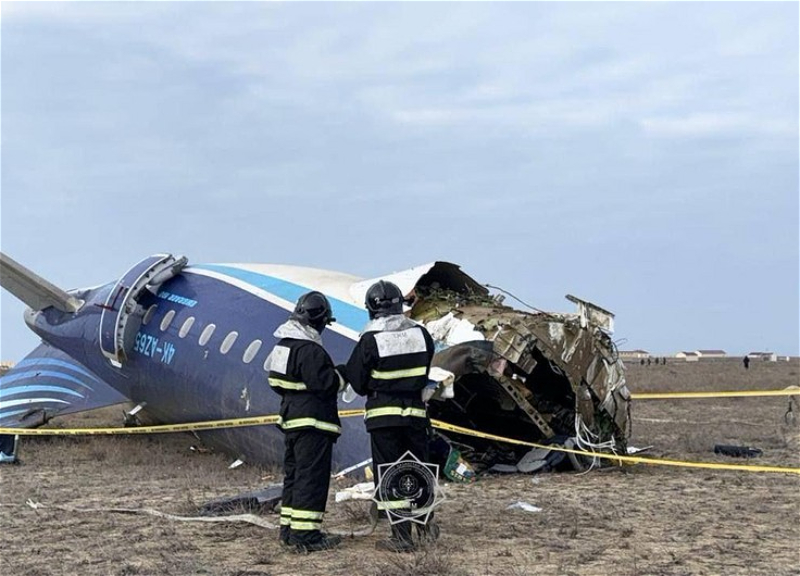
538, 376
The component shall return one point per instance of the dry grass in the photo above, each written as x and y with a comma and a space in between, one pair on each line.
629, 521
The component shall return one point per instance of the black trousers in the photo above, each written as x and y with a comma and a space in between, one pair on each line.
388, 445
307, 477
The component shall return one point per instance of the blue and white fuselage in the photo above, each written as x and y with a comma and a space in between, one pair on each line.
190, 344
200, 351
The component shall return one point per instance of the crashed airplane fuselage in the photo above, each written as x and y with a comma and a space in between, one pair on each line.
189, 343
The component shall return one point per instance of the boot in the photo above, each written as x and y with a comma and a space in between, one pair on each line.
428, 533
399, 541
285, 535
316, 543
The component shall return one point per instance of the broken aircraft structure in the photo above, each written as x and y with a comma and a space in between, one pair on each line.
189, 343
543, 377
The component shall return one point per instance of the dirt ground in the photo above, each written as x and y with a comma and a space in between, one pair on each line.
634, 520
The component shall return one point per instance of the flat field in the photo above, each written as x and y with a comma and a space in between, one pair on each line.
633, 520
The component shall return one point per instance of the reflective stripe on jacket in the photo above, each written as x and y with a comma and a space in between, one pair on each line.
303, 374
390, 367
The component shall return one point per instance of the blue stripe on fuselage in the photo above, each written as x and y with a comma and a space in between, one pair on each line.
54, 362
40, 373
38, 388
346, 314
9, 413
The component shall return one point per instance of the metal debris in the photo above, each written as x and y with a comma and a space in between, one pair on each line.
537, 376
737, 451
257, 502
523, 506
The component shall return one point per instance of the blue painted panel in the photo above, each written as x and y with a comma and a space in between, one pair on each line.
38, 388
108, 319
76, 391
10, 414
10, 378
201, 383
60, 363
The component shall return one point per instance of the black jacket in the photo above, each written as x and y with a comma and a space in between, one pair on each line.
390, 366
302, 372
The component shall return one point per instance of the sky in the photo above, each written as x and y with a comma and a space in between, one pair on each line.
642, 156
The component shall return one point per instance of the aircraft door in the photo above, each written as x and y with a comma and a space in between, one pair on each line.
122, 315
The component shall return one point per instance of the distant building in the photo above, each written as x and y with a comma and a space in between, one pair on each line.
688, 356
634, 354
766, 356
711, 353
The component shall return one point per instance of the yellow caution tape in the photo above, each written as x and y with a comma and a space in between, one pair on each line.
261, 420
159, 429
630, 459
793, 391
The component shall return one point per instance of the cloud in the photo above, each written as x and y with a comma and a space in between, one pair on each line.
712, 124
425, 124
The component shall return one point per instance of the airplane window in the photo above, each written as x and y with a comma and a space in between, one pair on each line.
228, 342
186, 327
167, 319
206, 335
149, 314
251, 351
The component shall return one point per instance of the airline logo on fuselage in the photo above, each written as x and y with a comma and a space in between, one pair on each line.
183, 300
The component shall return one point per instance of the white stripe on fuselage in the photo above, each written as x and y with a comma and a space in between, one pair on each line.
26, 401
268, 296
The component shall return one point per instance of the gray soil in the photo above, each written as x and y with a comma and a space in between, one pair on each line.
629, 521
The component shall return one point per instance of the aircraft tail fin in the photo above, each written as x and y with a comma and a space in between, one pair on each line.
32, 289
48, 383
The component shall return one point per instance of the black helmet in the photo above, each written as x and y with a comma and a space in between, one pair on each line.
314, 310
383, 299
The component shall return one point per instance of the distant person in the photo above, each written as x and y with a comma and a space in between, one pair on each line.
389, 366
641, 362
746, 362
648, 361
302, 372
8, 449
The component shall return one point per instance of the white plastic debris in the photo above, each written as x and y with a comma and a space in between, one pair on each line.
361, 491
442, 384
523, 506
452, 330
353, 468
348, 394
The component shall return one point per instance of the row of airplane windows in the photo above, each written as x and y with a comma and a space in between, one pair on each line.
249, 353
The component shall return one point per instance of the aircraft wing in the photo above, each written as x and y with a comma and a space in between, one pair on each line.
50, 383
32, 289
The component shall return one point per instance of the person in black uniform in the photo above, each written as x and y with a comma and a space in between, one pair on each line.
302, 372
390, 366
